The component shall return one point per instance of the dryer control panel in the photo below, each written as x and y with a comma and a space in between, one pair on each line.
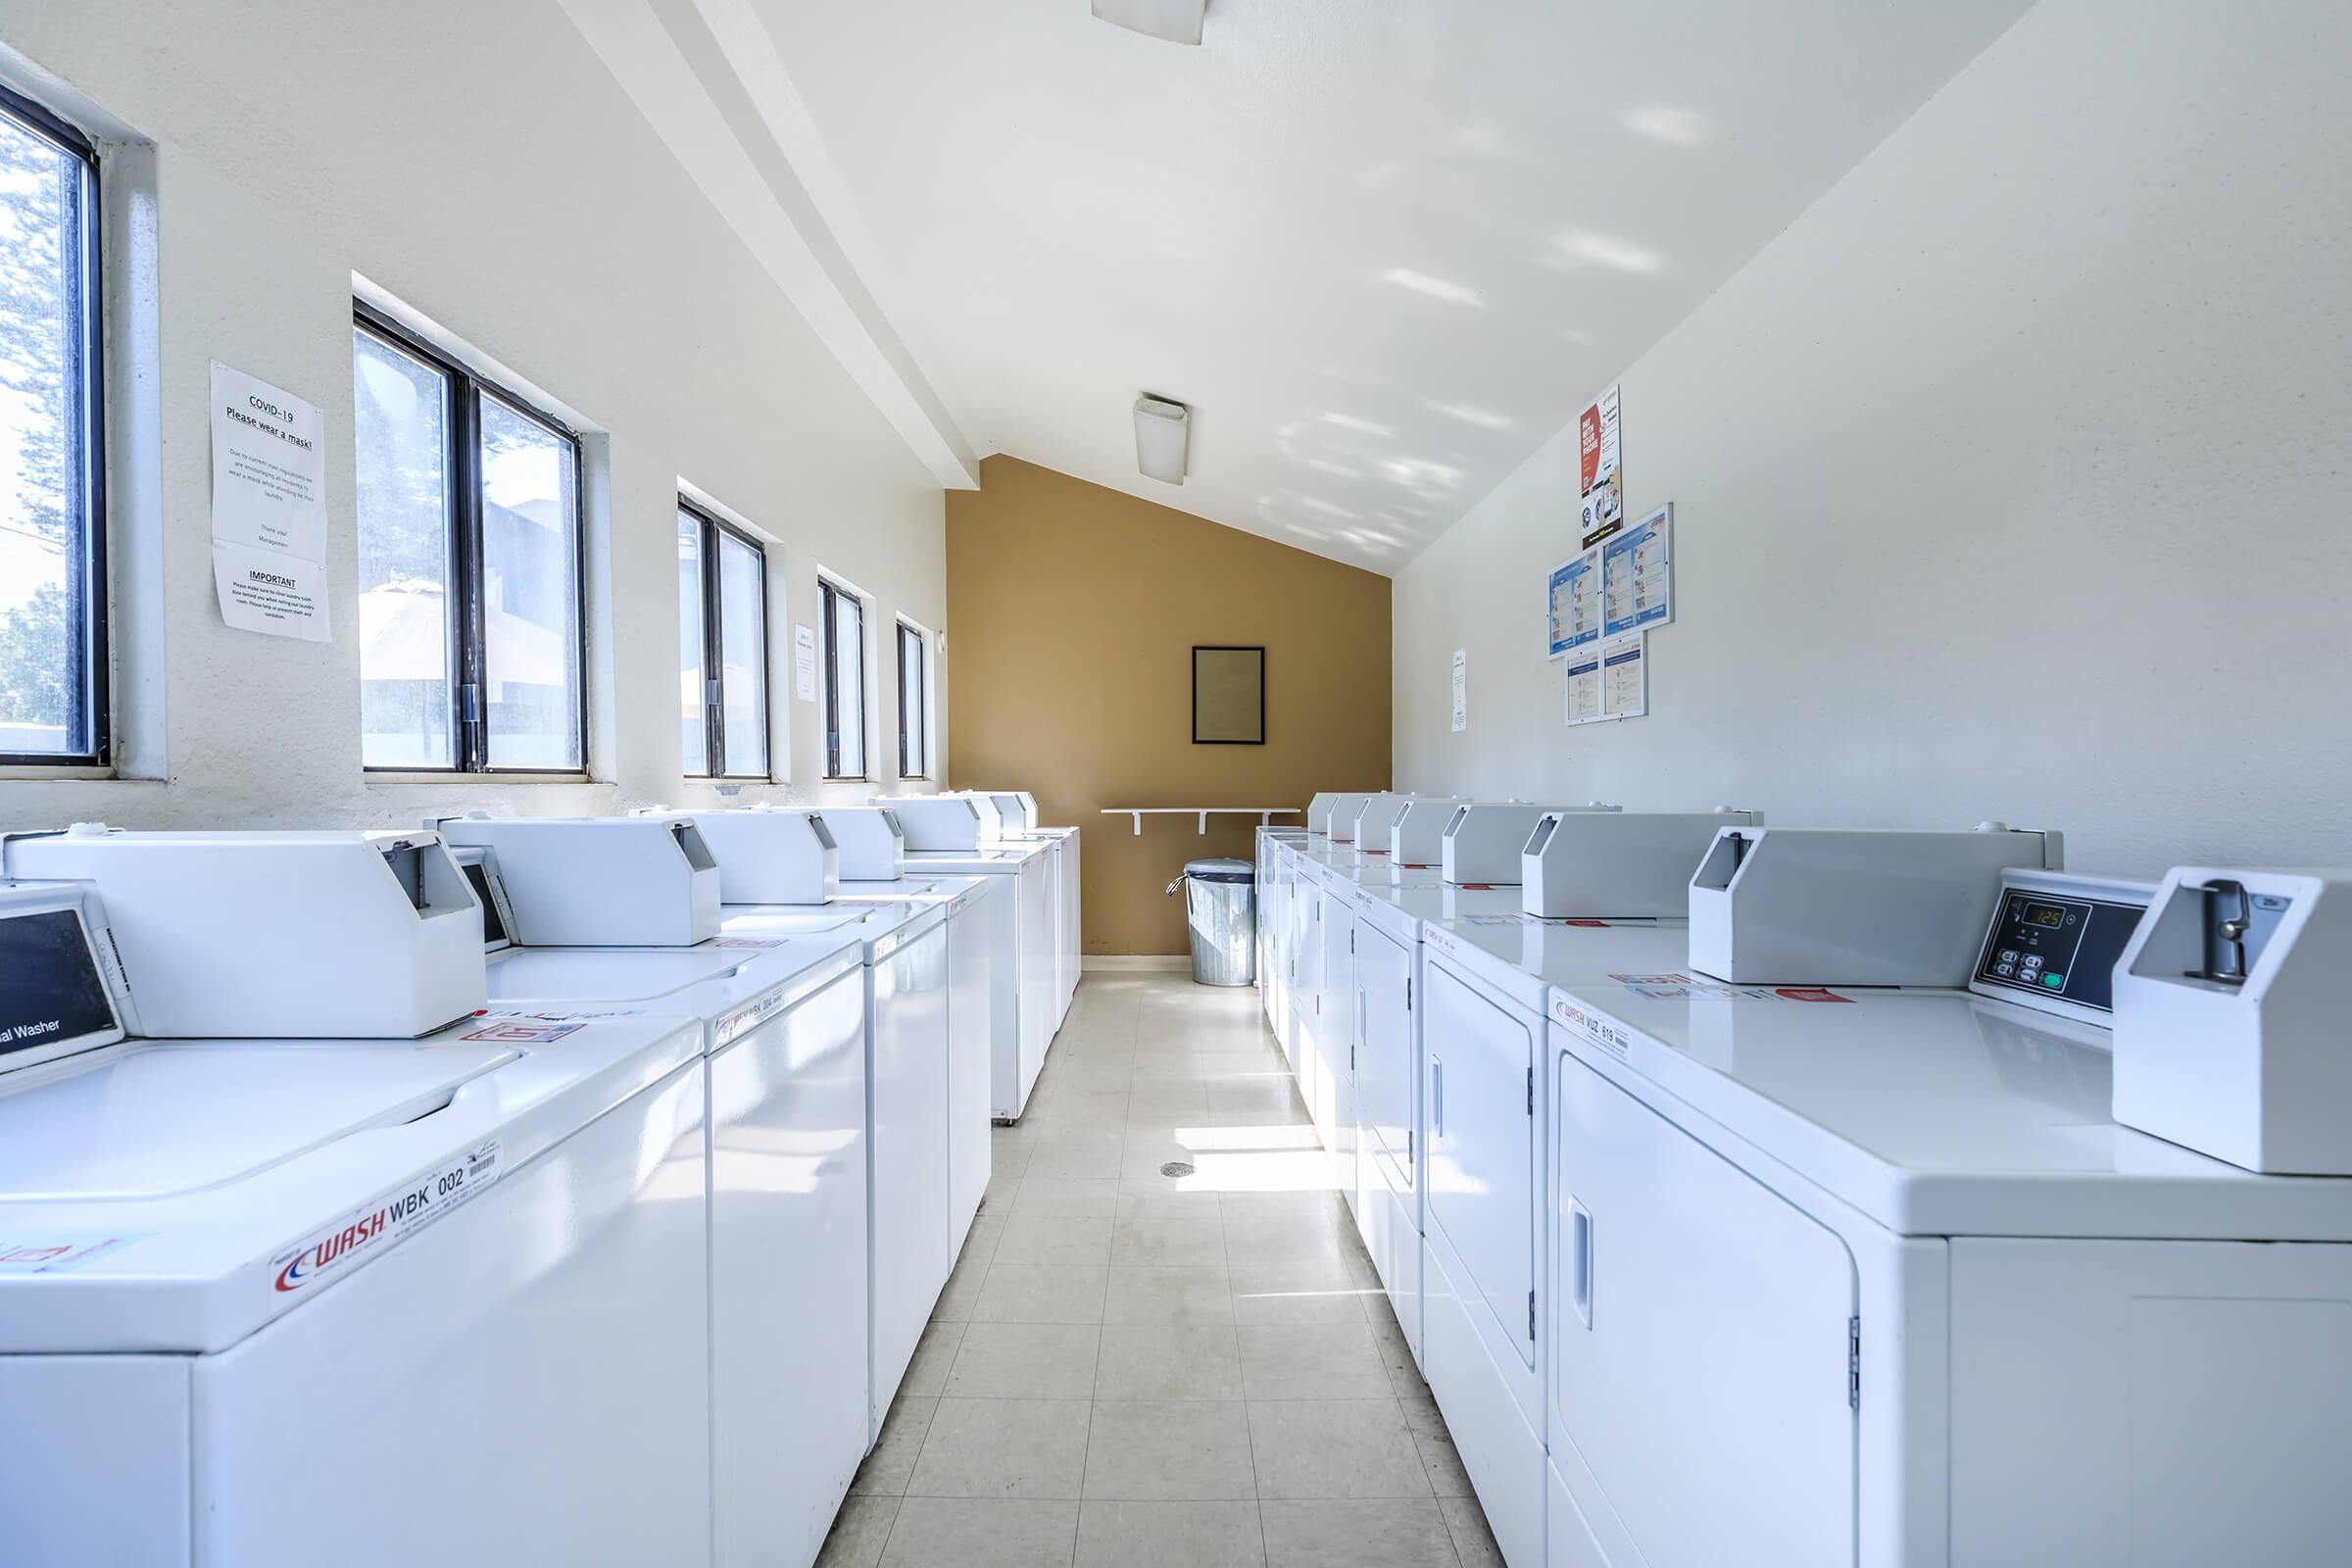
2055, 941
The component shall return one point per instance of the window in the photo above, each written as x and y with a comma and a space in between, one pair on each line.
914, 702
844, 680
722, 649
470, 557
53, 659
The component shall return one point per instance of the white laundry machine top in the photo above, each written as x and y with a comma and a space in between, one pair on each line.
1002, 859
882, 925
599, 881
1604, 864
954, 894
1471, 922
1484, 840
1945, 1111
873, 846
731, 984
940, 821
175, 1195
365, 935
771, 854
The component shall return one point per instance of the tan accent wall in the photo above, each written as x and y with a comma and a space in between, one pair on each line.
1073, 612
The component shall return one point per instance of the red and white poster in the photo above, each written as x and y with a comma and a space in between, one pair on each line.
1601, 486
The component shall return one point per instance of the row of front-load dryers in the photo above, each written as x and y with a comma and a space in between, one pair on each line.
1776, 1196
517, 1190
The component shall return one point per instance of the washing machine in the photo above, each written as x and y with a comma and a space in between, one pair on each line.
1872, 1272
782, 1024
947, 836
265, 1301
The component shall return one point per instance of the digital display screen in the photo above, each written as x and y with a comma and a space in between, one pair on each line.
52, 990
2044, 915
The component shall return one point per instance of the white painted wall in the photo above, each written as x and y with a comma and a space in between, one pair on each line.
481, 163
2013, 479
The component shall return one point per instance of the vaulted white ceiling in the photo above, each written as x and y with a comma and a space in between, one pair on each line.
1384, 248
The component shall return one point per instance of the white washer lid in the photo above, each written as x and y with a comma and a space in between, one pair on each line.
607, 974
165, 1120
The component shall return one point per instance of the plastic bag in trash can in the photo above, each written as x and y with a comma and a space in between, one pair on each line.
1221, 903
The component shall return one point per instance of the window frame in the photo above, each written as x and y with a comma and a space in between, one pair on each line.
715, 716
830, 596
467, 387
86, 578
922, 697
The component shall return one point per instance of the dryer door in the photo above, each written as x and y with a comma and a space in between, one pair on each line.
1479, 1182
1699, 1364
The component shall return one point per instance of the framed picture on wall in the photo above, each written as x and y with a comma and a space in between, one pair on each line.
1229, 696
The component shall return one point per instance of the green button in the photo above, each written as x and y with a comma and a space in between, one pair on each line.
2053, 981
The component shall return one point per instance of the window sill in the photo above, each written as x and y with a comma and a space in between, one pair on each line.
377, 776
34, 774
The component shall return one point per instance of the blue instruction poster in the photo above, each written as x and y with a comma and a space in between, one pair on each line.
1572, 597
1638, 568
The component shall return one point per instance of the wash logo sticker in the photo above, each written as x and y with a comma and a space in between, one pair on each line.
419, 1201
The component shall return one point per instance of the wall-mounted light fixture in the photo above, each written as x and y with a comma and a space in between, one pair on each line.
1161, 427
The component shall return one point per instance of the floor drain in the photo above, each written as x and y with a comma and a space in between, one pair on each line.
1177, 1167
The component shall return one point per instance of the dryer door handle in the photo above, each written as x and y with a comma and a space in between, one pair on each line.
1580, 1259
1437, 1097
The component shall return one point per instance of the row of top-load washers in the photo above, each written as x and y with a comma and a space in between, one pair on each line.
1765, 1196
515, 1189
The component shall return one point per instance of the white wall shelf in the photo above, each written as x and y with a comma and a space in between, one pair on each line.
1264, 813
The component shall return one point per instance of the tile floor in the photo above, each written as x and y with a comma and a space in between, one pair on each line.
1131, 1370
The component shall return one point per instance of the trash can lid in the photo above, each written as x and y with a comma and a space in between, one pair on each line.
1220, 871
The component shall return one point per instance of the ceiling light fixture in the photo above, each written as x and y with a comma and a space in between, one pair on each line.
1176, 21
1161, 425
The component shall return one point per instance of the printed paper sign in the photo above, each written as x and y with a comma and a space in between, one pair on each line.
329, 1254
1624, 677
1461, 690
1639, 572
58, 1254
269, 468
1581, 697
266, 592
269, 508
803, 662
1574, 603
1603, 486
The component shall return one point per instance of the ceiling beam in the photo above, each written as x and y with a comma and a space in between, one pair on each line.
709, 80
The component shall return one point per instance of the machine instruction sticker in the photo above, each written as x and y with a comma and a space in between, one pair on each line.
329, 1254
59, 1254
1674, 986
568, 1015
523, 1032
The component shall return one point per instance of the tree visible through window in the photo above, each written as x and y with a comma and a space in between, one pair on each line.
52, 527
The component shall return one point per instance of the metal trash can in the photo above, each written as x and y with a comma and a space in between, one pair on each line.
1220, 904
